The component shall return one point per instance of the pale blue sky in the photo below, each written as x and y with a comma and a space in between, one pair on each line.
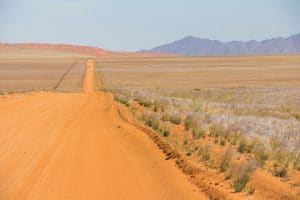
140, 24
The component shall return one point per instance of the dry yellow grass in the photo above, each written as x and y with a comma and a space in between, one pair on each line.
200, 72
25, 69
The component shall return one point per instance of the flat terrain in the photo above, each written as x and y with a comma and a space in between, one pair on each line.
27, 69
201, 72
76, 146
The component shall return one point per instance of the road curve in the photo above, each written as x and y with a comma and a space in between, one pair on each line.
76, 146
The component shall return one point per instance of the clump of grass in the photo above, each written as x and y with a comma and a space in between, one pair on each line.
246, 145
280, 156
166, 116
161, 104
215, 131
188, 122
297, 116
185, 141
124, 98
220, 133
198, 133
144, 100
250, 190
151, 119
228, 175
165, 129
225, 159
175, 118
240, 183
260, 154
296, 163
241, 174
191, 123
222, 141
204, 152
279, 171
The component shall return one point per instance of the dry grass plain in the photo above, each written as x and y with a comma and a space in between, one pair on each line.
206, 72
27, 69
237, 117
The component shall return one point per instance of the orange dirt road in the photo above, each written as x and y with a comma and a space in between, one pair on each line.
76, 146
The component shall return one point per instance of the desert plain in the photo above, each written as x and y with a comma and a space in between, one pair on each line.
78, 125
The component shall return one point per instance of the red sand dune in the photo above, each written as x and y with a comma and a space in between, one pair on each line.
86, 50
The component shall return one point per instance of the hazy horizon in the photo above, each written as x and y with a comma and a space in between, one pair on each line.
134, 25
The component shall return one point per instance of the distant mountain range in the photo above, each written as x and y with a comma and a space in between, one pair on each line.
194, 46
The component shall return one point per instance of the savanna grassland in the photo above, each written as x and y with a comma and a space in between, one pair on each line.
237, 118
